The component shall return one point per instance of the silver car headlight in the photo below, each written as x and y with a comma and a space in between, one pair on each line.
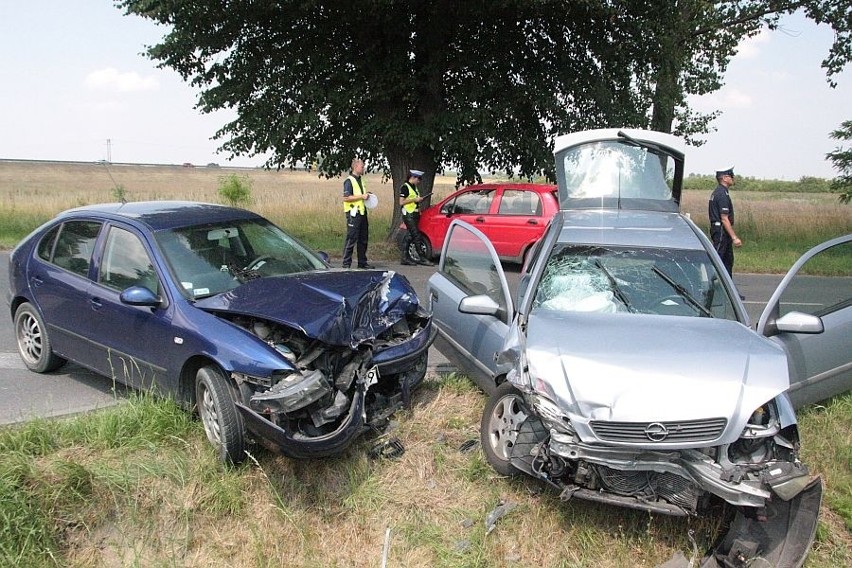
551, 415
763, 422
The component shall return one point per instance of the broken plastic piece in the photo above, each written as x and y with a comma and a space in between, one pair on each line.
389, 449
498, 513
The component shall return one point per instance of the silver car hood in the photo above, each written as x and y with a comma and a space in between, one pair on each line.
648, 368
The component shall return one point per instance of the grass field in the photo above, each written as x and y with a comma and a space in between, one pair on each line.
776, 228
138, 485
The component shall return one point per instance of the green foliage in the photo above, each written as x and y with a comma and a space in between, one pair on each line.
119, 193
805, 184
235, 190
841, 160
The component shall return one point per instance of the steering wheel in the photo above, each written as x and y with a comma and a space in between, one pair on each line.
255, 264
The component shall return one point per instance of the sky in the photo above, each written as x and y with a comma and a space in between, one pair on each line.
75, 85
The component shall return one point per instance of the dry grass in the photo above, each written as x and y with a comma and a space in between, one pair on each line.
776, 228
335, 512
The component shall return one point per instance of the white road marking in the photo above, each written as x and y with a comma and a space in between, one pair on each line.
11, 361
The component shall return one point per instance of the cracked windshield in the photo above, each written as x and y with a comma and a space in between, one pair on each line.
632, 280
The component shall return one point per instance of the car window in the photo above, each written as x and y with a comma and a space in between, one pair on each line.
520, 202
822, 285
126, 263
616, 169
632, 280
45, 246
75, 245
476, 202
469, 265
213, 258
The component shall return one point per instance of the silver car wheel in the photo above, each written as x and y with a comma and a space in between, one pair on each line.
503, 425
210, 418
222, 423
33, 342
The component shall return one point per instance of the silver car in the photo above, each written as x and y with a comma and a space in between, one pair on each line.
625, 370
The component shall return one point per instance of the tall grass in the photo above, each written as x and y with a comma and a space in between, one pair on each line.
139, 485
776, 227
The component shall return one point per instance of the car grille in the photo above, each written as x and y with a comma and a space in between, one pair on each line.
644, 432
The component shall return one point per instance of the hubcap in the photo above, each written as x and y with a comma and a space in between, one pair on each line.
29, 338
506, 419
209, 417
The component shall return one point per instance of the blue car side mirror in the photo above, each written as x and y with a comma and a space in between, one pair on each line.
139, 296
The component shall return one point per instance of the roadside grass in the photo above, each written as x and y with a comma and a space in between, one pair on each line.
776, 227
138, 485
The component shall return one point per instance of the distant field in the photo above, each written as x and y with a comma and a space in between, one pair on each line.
776, 227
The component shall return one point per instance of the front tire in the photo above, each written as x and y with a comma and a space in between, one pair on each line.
423, 252
222, 422
33, 342
504, 413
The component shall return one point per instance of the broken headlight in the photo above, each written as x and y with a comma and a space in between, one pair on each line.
291, 393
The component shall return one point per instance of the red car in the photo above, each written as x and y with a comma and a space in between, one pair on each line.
512, 215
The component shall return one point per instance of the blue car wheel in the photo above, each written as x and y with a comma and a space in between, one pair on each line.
33, 342
222, 423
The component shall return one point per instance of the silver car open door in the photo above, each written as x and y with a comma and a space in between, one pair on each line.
810, 315
471, 303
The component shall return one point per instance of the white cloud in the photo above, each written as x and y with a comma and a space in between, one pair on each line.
752, 46
109, 79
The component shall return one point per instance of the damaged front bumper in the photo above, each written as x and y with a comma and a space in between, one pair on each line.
297, 445
739, 486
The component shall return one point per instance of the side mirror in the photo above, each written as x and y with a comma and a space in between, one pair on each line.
139, 296
797, 322
323, 255
480, 305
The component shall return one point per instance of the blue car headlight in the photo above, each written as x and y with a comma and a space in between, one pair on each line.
291, 393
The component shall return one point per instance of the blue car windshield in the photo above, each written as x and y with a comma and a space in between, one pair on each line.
633, 280
212, 258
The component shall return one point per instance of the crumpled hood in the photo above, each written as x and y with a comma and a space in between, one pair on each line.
640, 368
337, 307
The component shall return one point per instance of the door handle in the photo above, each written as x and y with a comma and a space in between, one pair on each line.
532, 222
96, 303
480, 219
37, 281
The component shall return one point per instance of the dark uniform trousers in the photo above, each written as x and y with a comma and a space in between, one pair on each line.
724, 246
413, 235
357, 232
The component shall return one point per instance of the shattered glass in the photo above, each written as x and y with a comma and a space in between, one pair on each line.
633, 280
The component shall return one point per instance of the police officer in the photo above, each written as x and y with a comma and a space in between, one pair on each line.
721, 210
409, 199
357, 227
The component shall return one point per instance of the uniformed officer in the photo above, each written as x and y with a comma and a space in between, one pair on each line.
357, 226
409, 199
721, 210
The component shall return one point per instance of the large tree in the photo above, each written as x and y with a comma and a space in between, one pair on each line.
473, 85
841, 160
697, 40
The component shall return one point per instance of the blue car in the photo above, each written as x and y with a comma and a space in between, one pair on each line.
223, 311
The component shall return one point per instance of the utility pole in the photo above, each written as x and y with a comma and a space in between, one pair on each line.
109, 150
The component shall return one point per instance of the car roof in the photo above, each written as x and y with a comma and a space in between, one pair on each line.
162, 215
539, 187
630, 228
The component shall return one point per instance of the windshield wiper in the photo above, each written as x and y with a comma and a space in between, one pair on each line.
647, 145
682, 292
615, 289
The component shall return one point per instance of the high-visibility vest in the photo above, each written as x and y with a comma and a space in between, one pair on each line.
412, 192
357, 189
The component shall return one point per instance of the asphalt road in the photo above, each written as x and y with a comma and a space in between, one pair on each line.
73, 389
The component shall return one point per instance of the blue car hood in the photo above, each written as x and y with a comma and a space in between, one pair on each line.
336, 307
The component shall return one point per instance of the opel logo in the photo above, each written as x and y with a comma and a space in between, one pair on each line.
656, 432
